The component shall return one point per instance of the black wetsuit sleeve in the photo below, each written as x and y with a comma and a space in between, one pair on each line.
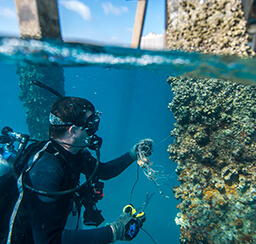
48, 215
114, 167
92, 236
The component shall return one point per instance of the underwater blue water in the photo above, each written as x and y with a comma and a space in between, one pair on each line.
134, 106
129, 87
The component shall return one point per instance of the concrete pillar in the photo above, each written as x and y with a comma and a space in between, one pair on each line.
249, 9
139, 23
166, 18
38, 18
247, 5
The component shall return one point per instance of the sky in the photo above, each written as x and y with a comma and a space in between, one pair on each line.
107, 22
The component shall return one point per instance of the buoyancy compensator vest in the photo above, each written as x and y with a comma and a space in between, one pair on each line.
12, 165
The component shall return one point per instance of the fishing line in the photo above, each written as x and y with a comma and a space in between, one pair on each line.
135, 183
162, 141
142, 208
146, 170
149, 235
142, 158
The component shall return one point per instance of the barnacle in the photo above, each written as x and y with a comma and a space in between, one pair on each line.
222, 189
217, 27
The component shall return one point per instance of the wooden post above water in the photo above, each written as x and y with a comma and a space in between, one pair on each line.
139, 23
38, 18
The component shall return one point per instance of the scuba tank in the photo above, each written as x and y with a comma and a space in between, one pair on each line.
7, 155
5, 170
8, 175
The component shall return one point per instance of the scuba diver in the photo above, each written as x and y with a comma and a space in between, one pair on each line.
49, 185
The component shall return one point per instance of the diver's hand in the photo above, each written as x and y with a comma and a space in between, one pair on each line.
142, 149
127, 226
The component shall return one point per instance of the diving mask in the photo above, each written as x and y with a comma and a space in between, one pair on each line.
90, 126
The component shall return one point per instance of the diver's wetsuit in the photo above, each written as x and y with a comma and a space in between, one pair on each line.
48, 215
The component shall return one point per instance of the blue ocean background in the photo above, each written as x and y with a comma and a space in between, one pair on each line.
134, 106
134, 102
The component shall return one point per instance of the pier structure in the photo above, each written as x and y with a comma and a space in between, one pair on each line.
38, 19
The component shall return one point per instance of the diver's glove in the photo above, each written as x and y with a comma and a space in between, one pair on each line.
127, 226
142, 149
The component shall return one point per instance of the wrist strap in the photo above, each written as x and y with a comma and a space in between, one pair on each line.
113, 233
118, 230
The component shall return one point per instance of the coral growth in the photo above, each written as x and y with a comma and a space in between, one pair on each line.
214, 148
213, 26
